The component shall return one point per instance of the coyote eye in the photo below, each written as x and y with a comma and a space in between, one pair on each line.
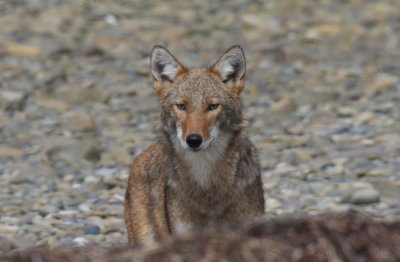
212, 107
180, 106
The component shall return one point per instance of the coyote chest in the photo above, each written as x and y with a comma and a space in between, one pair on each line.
200, 166
203, 169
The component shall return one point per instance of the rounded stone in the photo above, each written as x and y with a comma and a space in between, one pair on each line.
6, 244
362, 196
92, 229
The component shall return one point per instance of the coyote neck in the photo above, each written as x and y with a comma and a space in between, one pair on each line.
207, 166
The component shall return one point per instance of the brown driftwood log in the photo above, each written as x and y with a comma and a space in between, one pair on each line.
344, 237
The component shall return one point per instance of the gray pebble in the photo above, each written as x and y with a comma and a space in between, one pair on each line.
91, 229
6, 244
362, 196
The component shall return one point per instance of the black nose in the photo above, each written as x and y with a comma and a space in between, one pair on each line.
194, 140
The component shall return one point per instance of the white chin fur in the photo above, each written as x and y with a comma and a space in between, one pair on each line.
202, 161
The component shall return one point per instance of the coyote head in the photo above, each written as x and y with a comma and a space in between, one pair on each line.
200, 107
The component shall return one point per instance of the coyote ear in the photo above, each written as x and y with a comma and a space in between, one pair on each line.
164, 66
231, 68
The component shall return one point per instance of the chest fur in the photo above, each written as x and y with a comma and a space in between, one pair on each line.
207, 166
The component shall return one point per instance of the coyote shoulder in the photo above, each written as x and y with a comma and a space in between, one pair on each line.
203, 169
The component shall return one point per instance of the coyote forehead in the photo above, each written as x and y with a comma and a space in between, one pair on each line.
198, 86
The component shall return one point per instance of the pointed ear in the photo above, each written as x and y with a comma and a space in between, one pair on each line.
230, 68
164, 66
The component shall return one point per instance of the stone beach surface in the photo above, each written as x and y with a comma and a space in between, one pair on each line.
322, 100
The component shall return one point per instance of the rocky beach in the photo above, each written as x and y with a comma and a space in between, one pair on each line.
322, 101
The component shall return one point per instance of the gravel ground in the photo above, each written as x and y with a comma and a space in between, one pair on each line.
76, 105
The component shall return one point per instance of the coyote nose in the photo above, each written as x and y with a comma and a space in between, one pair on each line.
194, 140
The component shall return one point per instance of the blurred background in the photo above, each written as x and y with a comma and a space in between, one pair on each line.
322, 98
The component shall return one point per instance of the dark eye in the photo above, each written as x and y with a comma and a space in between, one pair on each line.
212, 107
180, 106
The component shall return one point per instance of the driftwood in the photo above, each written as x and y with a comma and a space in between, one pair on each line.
344, 237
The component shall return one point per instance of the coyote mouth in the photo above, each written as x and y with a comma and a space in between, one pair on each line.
196, 149
204, 145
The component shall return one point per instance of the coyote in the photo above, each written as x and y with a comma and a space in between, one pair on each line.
203, 169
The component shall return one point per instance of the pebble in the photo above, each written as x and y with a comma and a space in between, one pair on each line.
91, 180
81, 241
18, 49
12, 152
285, 105
84, 207
142, 67
362, 196
79, 122
105, 172
80, 95
335, 170
365, 117
52, 241
272, 204
53, 104
49, 208
382, 83
380, 172
75, 153
10, 99
92, 229
390, 190
6, 244
24, 242
68, 241
117, 155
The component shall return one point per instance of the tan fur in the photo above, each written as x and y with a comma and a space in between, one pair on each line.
333, 237
144, 205
173, 187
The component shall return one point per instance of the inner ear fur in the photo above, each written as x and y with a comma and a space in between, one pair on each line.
230, 67
164, 66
